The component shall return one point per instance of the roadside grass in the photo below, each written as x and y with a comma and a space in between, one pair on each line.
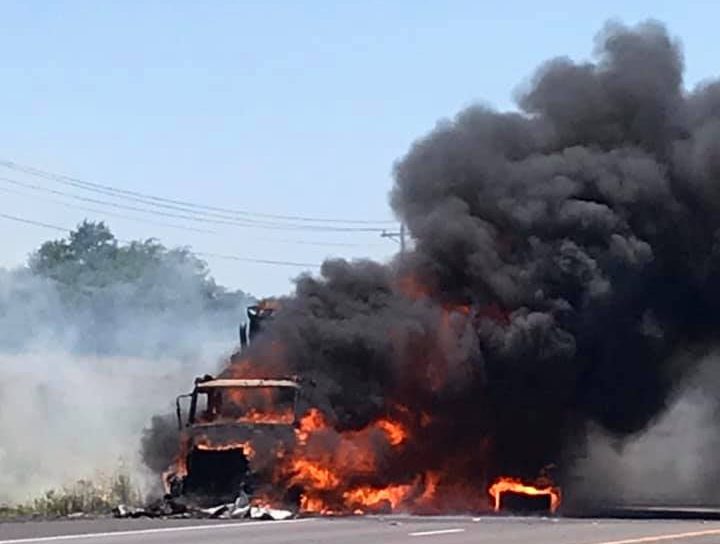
97, 496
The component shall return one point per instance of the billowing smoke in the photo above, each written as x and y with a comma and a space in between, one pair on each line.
669, 463
564, 272
68, 417
88, 358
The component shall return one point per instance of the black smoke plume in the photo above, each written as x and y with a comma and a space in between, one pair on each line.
564, 257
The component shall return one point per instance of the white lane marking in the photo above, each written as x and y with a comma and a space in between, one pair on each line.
85, 536
659, 538
429, 533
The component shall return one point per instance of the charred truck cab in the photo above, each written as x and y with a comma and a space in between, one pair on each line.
232, 435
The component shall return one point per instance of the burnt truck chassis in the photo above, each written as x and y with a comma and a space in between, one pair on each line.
214, 451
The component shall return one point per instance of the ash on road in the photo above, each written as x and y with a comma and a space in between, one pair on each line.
416, 530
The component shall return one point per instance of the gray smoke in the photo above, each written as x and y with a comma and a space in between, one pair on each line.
85, 369
671, 462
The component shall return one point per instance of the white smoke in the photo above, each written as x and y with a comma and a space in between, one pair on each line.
79, 382
673, 462
66, 417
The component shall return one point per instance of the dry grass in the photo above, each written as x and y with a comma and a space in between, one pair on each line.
93, 497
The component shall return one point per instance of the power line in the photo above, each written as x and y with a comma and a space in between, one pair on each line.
31, 222
106, 212
175, 226
259, 261
154, 200
246, 223
215, 255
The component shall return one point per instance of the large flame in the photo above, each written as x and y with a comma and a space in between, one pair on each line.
382, 466
325, 473
342, 472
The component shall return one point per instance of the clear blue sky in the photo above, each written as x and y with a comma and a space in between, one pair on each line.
295, 108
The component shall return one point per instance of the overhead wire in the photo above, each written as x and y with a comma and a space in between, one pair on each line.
102, 212
180, 205
259, 261
31, 222
245, 223
105, 212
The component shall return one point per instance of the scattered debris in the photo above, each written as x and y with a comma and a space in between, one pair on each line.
216, 511
167, 507
124, 511
265, 512
241, 508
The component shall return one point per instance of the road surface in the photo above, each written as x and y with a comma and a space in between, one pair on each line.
369, 530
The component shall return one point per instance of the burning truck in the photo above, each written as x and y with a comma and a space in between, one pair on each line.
259, 437
562, 278
227, 421
245, 437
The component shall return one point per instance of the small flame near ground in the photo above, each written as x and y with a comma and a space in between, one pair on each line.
515, 485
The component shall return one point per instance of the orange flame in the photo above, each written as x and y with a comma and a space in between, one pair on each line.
311, 422
514, 485
396, 433
247, 448
178, 468
431, 484
258, 406
314, 474
256, 416
315, 505
325, 461
372, 497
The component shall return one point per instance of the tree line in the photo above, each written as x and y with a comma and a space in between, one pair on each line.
89, 292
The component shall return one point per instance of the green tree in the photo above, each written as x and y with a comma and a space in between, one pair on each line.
91, 258
83, 255
96, 294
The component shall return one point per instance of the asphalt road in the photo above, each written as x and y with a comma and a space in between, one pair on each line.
370, 530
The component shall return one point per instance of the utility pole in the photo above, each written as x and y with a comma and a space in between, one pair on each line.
398, 236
